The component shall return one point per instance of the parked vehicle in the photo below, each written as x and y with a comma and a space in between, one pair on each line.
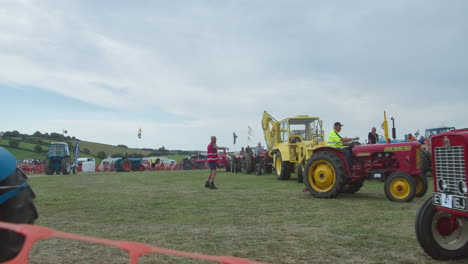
127, 164
195, 161
58, 159
442, 220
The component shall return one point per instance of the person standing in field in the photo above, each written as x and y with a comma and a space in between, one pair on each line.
212, 159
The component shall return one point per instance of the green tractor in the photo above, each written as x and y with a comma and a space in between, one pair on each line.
58, 159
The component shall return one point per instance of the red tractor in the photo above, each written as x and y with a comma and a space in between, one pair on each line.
224, 160
249, 162
327, 172
442, 220
195, 161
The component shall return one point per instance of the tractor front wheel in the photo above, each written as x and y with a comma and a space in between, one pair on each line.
283, 168
325, 175
441, 236
400, 187
421, 185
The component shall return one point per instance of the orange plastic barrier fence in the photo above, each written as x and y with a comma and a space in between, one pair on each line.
135, 250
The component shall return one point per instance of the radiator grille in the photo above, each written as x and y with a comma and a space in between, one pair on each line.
450, 166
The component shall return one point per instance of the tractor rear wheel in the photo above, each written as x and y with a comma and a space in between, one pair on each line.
126, 165
400, 187
325, 175
351, 188
19, 210
247, 163
65, 166
188, 165
300, 173
258, 169
232, 164
438, 235
421, 185
283, 168
47, 168
268, 168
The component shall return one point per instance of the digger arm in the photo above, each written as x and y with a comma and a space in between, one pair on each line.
270, 128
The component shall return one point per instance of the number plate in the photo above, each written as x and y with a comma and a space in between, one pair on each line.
450, 201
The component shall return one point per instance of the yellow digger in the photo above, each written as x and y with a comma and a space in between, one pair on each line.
291, 142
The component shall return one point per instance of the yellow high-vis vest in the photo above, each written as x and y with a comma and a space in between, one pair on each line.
334, 139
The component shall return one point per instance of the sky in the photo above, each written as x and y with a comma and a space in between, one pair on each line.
185, 70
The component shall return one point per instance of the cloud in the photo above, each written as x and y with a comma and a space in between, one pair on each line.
214, 67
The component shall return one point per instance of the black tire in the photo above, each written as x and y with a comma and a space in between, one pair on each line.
18, 209
400, 187
283, 168
258, 169
233, 164
425, 162
126, 165
65, 166
188, 165
439, 246
421, 185
247, 164
201, 165
351, 188
47, 168
268, 168
300, 173
325, 175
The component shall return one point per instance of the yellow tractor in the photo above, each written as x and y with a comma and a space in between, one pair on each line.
291, 142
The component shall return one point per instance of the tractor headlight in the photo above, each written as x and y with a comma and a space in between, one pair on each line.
387, 154
441, 185
379, 155
462, 189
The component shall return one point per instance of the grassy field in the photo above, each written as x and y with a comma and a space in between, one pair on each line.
255, 217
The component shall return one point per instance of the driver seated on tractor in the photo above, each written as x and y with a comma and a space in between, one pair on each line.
342, 143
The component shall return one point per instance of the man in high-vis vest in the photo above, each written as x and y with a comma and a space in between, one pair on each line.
212, 159
341, 143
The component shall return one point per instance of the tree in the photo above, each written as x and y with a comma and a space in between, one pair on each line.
37, 134
38, 149
86, 151
122, 146
102, 155
56, 135
14, 143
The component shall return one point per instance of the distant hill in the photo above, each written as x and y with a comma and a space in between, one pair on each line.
36, 146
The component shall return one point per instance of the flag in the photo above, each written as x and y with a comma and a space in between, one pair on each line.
250, 131
234, 136
139, 133
77, 152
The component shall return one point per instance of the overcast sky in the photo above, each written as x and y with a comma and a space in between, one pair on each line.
185, 70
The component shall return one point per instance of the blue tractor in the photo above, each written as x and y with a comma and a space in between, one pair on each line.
16, 205
126, 164
58, 159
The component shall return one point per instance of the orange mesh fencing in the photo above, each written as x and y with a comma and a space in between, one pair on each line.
35, 233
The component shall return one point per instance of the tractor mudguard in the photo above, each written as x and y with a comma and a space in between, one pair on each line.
7, 164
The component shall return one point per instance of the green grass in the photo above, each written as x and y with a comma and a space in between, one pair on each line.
255, 217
